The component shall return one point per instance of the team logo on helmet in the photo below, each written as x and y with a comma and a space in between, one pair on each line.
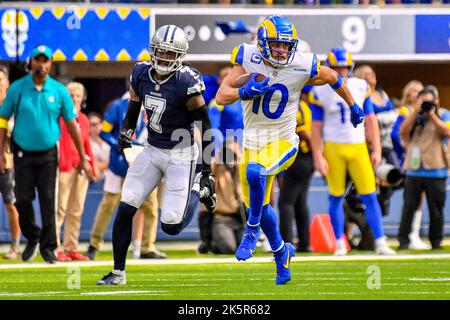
168, 48
277, 29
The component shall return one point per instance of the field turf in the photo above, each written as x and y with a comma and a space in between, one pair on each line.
411, 278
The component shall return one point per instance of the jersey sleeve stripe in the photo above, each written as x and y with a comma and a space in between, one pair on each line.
237, 56
315, 68
197, 88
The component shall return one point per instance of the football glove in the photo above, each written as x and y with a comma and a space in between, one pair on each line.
208, 191
253, 88
125, 139
356, 115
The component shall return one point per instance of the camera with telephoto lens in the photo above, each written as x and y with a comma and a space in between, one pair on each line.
427, 106
390, 174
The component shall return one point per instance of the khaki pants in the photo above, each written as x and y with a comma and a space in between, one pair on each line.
71, 198
108, 205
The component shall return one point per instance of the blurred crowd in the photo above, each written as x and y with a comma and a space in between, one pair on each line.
261, 2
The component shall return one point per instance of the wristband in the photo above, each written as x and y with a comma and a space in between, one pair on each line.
338, 83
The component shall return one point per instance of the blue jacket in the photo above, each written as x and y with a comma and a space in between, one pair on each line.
110, 134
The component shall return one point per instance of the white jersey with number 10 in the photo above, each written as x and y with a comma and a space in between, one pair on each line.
272, 117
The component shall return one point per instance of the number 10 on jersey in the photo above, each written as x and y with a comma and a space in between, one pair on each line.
266, 101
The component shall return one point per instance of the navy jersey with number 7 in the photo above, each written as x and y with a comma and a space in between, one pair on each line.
165, 103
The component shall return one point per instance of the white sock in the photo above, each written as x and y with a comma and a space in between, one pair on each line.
380, 242
416, 223
119, 272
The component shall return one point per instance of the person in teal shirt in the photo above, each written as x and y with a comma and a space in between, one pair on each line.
37, 101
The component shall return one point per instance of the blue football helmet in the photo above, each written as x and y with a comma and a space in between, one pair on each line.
339, 57
277, 29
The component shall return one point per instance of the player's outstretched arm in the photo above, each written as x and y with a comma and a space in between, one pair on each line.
199, 112
329, 76
373, 136
129, 123
227, 94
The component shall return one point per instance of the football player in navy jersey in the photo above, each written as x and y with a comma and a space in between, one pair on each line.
172, 96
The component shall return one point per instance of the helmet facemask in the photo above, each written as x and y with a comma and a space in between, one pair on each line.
264, 44
171, 62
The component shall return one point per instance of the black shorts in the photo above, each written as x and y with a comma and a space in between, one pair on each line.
7, 187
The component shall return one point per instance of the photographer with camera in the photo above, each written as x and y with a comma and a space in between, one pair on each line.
221, 230
425, 134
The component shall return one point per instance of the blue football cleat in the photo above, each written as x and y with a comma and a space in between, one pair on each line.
248, 243
283, 262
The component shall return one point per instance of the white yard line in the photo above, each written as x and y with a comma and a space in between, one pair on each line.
430, 279
132, 262
108, 293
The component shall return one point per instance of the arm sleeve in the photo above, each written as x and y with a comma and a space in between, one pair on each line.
192, 82
237, 55
68, 109
201, 114
315, 67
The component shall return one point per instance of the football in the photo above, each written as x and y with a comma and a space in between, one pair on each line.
242, 80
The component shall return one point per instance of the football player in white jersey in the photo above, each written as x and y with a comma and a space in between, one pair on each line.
270, 107
345, 150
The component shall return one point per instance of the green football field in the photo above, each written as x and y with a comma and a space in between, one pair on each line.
187, 275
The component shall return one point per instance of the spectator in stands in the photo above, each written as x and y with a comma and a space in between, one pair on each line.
386, 116
221, 231
100, 148
293, 193
114, 179
37, 101
425, 133
73, 186
409, 99
7, 178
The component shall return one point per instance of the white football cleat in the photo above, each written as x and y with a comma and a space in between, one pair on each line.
382, 248
341, 248
415, 243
